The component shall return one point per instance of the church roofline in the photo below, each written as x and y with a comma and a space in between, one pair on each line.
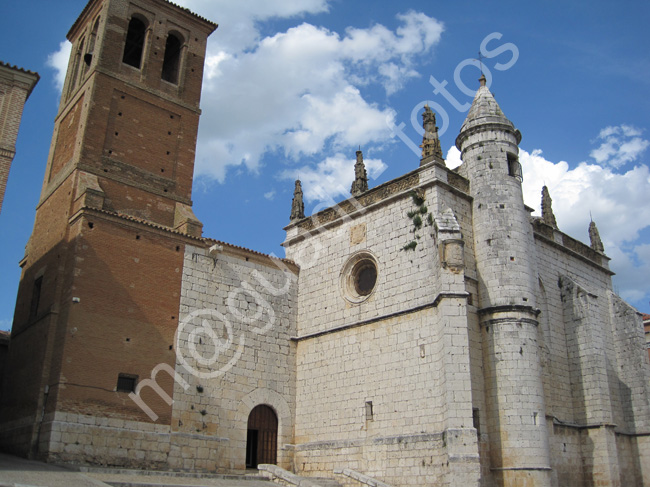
562, 241
205, 241
398, 187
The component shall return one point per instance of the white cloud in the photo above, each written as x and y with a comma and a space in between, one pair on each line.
332, 178
238, 21
453, 158
297, 93
270, 195
59, 62
620, 145
617, 202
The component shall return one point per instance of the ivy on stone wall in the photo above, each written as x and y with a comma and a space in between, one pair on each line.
416, 216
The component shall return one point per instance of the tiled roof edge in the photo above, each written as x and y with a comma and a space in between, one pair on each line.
184, 9
204, 240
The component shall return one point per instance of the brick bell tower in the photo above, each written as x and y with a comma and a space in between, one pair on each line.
98, 299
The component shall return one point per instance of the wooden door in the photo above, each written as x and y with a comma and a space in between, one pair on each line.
262, 437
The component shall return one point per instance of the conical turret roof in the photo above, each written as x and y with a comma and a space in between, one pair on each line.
485, 110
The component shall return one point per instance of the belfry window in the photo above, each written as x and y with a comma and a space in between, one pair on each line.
134, 43
172, 60
74, 74
88, 58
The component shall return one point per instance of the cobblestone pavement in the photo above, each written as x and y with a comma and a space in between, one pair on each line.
19, 472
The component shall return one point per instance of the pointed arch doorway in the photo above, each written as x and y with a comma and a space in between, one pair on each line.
262, 437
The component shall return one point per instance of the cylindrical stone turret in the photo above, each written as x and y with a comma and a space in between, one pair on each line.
504, 247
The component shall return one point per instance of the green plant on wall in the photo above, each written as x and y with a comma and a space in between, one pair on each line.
419, 216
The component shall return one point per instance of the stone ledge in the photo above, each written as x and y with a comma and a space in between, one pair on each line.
369, 321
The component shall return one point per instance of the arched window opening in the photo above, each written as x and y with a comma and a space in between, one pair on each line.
88, 58
134, 43
262, 437
74, 74
171, 62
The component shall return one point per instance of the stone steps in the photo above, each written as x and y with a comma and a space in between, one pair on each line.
120, 477
163, 473
325, 482
117, 480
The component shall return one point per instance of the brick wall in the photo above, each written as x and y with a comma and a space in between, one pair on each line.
15, 86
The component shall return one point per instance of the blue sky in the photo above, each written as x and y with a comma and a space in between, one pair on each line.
293, 88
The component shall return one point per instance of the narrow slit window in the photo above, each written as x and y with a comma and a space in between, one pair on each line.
369, 412
171, 62
134, 45
36, 298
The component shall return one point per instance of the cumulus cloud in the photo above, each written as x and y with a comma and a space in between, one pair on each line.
239, 21
617, 201
619, 145
59, 62
298, 93
331, 178
453, 158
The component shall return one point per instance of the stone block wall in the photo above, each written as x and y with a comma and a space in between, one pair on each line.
237, 315
69, 437
594, 370
384, 383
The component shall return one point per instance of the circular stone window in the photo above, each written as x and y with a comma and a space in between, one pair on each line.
359, 277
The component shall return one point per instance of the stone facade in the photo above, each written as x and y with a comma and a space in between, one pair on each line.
16, 85
428, 331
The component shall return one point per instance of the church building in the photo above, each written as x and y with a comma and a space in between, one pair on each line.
427, 331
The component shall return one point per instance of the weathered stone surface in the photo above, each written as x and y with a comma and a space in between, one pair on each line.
425, 332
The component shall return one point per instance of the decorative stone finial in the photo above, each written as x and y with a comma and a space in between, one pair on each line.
482, 80
547, 209
594, 236
430, 141
360, 183
297, 205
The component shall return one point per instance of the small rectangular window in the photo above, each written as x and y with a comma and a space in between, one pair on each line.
126, 383
36, 298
